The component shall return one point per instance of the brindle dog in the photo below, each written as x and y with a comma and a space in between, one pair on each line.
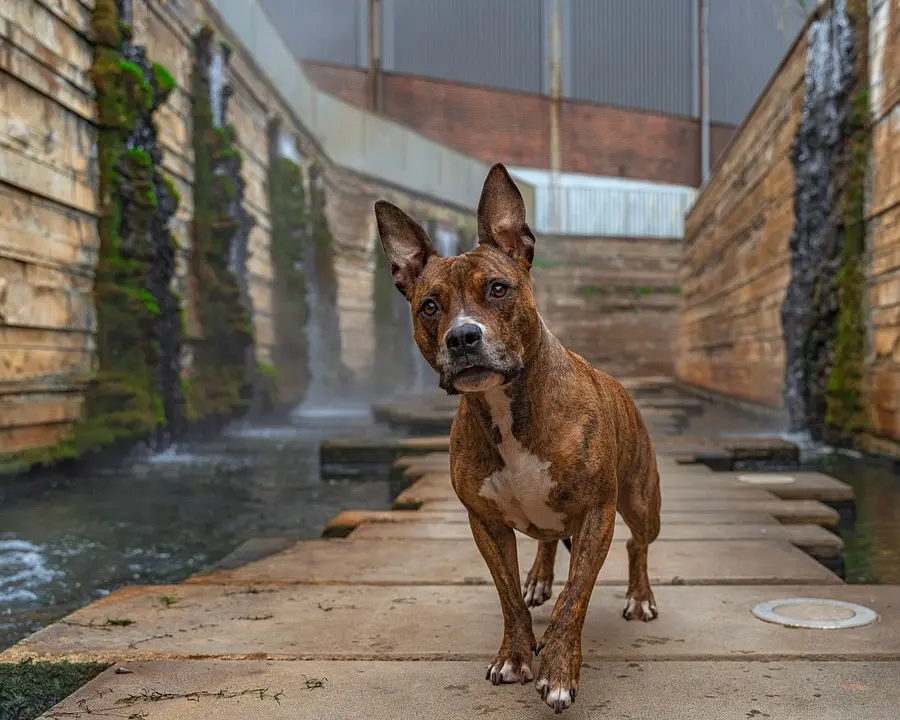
542, 442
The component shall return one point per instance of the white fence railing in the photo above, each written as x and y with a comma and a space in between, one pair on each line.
586, 205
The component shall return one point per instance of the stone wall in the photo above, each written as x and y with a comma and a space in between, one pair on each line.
737, 256
883, 212
736, 261
49, 205
612, 300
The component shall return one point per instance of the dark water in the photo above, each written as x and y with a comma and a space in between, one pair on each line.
162, 520
873, 545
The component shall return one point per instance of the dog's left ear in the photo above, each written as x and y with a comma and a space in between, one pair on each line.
501, 217
406, 245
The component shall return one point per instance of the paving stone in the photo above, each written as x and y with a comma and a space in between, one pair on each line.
450, 623
323, 690
786, 511
803, 536
344, 522
398, 562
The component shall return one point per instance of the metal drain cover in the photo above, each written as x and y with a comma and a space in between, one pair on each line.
815, 613
766, 479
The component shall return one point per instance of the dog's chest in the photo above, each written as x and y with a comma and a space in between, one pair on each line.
521, 488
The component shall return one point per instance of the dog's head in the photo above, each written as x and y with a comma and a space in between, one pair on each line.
474, 315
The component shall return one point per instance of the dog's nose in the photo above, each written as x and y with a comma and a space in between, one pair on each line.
464, 338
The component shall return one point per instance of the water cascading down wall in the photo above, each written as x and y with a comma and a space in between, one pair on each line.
135, 391
823, 313
141, 391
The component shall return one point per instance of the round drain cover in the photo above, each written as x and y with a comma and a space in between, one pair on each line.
815, 613
766, 479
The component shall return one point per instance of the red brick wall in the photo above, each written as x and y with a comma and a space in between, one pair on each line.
514, 128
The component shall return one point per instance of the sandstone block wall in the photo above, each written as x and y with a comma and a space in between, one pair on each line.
612, 300
736, 260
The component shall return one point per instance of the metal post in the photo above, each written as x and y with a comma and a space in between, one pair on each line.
704, 94
374, 75
555, 93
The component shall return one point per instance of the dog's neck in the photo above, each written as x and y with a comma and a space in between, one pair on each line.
506, 409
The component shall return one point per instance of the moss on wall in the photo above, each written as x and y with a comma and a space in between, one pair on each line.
845, 416
28, 689
221, 383
123, 401
289, 211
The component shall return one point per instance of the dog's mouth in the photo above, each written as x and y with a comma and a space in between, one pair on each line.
476, 378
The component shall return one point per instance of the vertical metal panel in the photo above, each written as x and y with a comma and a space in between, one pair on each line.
634, 54
486, 42
323, 30
747, 41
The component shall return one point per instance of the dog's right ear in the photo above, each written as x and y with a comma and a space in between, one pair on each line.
406, 245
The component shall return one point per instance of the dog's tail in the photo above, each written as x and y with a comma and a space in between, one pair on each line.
568, 543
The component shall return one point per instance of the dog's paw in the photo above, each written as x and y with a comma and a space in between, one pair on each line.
537, 592
557, 681
506, 669
640, 606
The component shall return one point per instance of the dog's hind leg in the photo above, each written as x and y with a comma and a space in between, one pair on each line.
639, 505
539, 583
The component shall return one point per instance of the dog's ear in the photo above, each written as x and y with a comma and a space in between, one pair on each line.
406, 245
501, 217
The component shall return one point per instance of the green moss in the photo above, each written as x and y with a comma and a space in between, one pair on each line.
139, 157
132, 69
28, 689
172, 190
165, 83
105, 27
219, 384
845, 415
289, 210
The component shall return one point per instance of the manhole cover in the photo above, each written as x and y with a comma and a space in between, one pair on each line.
814, 613
766, 479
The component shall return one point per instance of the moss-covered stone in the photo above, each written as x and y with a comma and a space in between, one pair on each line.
28, 689
222, 374
845, 416
289, 211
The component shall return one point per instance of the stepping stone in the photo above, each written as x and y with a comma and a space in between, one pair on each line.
412, 562
378, 450
345, 522
443, 690
360, 623
786, 511
805, 537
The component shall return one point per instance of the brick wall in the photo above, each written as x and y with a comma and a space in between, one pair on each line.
514, 127
612, 300
736, 260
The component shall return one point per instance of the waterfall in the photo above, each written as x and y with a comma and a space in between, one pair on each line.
810, 307
216, 84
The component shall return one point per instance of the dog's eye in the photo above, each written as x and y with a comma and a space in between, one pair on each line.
429, 308
498, 290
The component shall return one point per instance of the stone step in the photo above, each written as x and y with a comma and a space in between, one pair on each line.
412, 562
344, 523
785, 511
806, 537
445, 690
460, 623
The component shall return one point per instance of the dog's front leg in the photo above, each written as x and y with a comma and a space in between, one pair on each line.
497, 544
560, 647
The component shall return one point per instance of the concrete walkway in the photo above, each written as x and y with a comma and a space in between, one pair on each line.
398, 618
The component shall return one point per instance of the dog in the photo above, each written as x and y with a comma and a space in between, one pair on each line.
542, 442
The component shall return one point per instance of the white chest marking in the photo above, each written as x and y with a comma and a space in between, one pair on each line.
522, 487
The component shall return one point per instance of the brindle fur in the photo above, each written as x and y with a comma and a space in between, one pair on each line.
563, 411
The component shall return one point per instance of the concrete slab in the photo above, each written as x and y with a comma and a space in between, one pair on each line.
449, 623
343, 523
271, 690
786, 511
411, 562
803, 536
